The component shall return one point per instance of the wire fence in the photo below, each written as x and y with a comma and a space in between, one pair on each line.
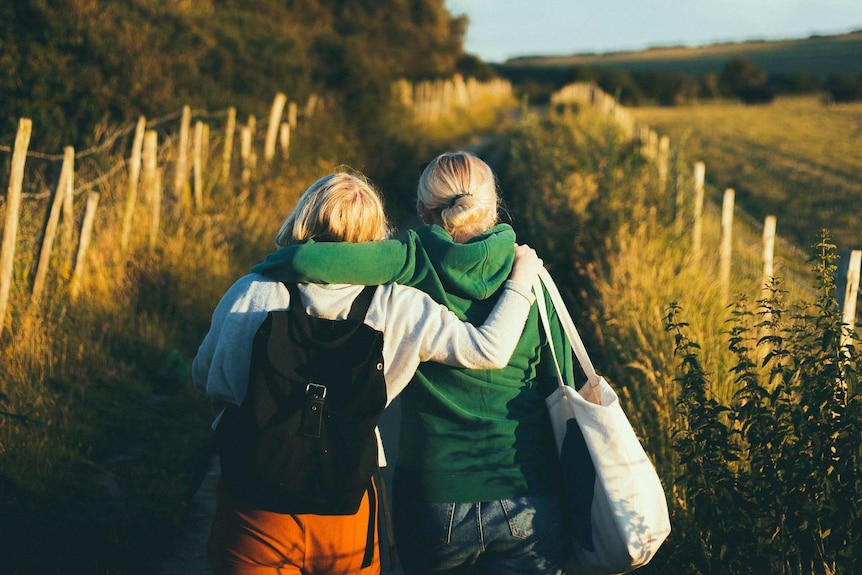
742, 244
121, 176
151, 174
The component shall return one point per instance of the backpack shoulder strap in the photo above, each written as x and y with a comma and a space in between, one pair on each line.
361, 304
358, 309
294, 294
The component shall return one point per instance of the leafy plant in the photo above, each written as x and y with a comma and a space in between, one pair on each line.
709, 456
772, 477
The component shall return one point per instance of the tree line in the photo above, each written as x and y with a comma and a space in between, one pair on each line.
77, 67
740, 78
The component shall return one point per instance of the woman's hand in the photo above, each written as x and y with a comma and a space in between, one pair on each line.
527, 265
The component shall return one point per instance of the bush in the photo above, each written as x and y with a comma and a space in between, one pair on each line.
668, 88
844, 88
72, 65
743, 79
773, 480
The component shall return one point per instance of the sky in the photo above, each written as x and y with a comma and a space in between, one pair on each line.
502, 29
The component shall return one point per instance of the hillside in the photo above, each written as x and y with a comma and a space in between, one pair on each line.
100, 429
817, 55
753, 72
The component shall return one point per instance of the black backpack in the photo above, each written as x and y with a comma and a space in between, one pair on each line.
303, 440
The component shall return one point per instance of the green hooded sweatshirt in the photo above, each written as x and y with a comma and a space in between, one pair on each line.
466, 435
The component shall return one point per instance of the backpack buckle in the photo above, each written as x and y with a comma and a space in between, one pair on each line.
315, 390
312, 414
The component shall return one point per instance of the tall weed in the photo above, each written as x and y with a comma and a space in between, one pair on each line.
772, 476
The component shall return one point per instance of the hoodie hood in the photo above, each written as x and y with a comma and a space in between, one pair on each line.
475, 269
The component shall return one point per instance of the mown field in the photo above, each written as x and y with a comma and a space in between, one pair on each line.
796, 158
818, 55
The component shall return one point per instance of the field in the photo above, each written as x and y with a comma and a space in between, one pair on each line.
797, 159
819, 56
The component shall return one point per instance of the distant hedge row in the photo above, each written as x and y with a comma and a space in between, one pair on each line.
739, 79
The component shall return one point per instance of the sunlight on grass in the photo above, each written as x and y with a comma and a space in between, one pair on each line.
796, 158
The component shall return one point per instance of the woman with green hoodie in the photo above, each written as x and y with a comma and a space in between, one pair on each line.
477, 485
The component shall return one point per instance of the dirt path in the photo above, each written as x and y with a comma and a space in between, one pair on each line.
189, 554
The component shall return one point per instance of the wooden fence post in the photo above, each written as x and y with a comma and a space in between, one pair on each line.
181, 176
134, 178
150, 161
247, 152
769, 225
291, 115
311, 105
197, 163
68, 215
13, 207
851, 293
157, 211
227, 152
51, 226
152, 181
205, 149
84, 244
273, 127
726, 241
284, 137
679, 204
697, 229
252, 129
663, 160
652, 145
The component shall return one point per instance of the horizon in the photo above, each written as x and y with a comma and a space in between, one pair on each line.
499, 30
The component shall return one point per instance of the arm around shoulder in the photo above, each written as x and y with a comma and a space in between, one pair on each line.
441, 336
365, 263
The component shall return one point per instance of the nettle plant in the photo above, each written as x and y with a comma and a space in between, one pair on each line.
771, 481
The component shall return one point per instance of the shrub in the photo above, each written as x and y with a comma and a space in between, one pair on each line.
743, 79
773, 477
844, 88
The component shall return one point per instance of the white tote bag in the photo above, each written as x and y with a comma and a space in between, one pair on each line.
617, 506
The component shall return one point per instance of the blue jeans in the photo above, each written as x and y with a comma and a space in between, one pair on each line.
505, 537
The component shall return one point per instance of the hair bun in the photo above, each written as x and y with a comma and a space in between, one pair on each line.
454, 201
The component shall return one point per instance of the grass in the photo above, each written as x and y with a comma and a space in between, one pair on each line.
100, 451
796, 158
106, 431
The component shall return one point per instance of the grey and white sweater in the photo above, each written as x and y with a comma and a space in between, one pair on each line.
415, 329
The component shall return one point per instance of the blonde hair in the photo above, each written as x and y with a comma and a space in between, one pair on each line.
463, 188
340, 207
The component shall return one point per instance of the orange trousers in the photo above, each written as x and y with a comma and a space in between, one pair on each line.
246, 541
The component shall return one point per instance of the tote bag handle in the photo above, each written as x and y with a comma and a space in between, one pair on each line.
543, 283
